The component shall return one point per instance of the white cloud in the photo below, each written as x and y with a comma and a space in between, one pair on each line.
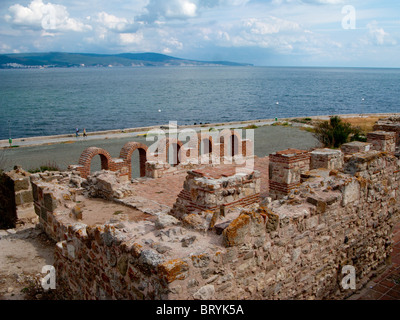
378, 36
114, 23
325, 1
40, 16
130, 38
271, 32
170, 9
329, 2
270, 25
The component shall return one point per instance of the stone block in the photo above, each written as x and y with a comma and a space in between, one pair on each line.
237, 230
172, 270
350, 192
149, 260
355, 147
327, 159
382, 141
205, 293
49, 201
22, 184
166, 220
26, 196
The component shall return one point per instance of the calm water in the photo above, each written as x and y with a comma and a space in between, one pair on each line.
56, 101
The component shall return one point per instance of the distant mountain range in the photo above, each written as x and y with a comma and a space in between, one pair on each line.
71, 60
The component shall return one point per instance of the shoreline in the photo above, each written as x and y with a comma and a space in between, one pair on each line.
124, 133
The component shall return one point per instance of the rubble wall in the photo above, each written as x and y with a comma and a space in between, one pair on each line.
8, 210
295, 248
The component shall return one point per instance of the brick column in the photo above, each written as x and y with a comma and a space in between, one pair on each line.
355, 147
285, 168
326, 158
382, 141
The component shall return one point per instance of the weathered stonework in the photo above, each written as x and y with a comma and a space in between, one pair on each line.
219, 242
8, 208
285, 171
391, 124
326, 158
208, 194
204, 148
290, 250
355, 146
382, 141
22, 186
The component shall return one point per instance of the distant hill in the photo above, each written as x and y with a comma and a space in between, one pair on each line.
71, 60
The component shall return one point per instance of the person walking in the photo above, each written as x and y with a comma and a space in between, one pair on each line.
77, 132
84, 132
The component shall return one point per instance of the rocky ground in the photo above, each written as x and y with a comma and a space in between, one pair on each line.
23, 252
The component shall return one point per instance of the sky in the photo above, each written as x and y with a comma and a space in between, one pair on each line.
332, 33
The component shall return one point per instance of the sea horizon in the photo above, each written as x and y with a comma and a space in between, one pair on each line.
54, 101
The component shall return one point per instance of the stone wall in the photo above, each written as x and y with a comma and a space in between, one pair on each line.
8, 209
391, 124
294, 248
355, 146
326, 158
285, 169
54, 196
327, 209
208, 194
22, 186
221, 147
382, 141
15, 195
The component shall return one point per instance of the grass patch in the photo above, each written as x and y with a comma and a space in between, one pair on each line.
49, 166
284, 124
308, 129
117, 212
304, 120
252, 126
144, 135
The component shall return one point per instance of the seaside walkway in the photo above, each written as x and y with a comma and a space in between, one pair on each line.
133, 132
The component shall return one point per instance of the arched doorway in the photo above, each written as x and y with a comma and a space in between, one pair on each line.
138, 166
86, 157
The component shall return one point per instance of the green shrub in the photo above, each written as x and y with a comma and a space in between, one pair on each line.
335, 132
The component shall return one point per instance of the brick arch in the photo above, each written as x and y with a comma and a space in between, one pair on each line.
227, 136
202, 137
163, 148
191, 146
86, 157
126, 154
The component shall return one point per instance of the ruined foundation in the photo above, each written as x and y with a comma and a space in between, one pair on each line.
221, 240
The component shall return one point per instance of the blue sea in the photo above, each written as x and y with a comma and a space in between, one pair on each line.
39, 102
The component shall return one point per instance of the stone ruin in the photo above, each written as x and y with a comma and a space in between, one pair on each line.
326, 209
